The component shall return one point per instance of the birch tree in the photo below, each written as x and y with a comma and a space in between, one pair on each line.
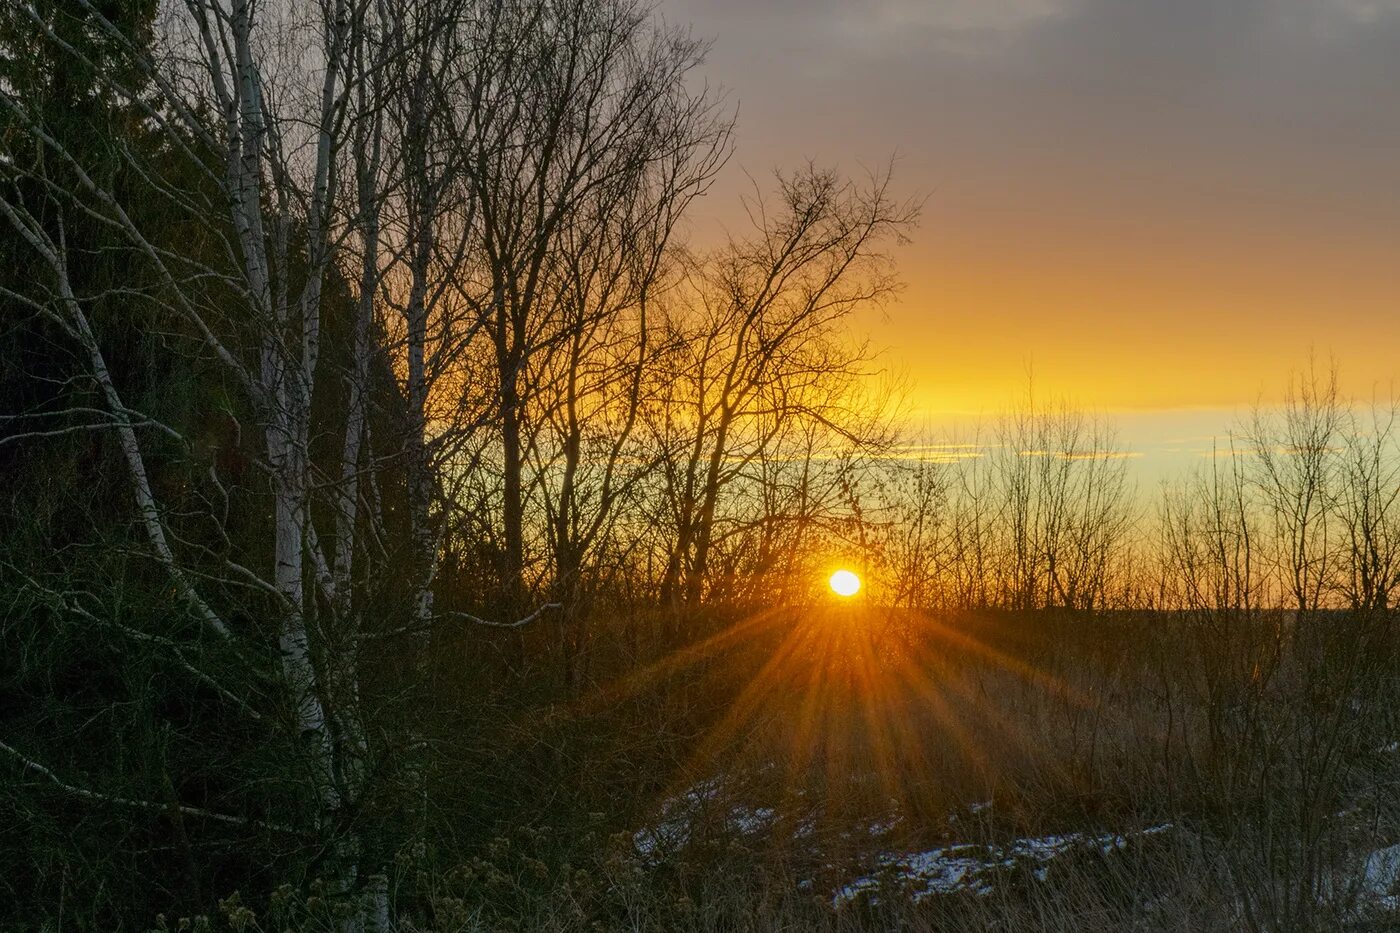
258, 106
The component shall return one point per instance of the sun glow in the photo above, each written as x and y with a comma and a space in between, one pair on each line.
844, 583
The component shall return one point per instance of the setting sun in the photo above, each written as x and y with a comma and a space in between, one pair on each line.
844, 583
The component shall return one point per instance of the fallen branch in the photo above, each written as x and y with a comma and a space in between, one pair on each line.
518, 623
199, 812
464, 617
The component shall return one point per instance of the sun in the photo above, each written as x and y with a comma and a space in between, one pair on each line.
844, 583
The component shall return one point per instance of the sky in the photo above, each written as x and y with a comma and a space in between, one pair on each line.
1158, 207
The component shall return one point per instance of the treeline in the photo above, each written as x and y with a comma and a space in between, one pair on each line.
1297, 507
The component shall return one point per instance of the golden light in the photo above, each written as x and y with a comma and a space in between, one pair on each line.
844, 583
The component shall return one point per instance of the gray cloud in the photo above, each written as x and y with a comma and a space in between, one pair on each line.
1367, 10
1091, 160
965, 18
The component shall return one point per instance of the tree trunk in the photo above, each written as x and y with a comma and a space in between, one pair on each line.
513, 510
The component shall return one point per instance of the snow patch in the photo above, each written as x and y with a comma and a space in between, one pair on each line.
672, 832
1382, 875
968, 868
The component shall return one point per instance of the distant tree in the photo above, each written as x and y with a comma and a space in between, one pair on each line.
1295, 468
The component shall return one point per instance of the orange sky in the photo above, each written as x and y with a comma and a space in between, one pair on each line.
1157, 204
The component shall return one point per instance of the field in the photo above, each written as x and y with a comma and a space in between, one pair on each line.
853, 768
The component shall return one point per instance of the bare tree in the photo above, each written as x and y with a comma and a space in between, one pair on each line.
1048, 509
588, 110
1296, 469
1369, 509
759, 347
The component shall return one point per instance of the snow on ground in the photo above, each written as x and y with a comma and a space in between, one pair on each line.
969, 868
1382, 875
952, 868
679, 814
937, 871
672, 831
749, 820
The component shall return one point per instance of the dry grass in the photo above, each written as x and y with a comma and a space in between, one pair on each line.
1268, 757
